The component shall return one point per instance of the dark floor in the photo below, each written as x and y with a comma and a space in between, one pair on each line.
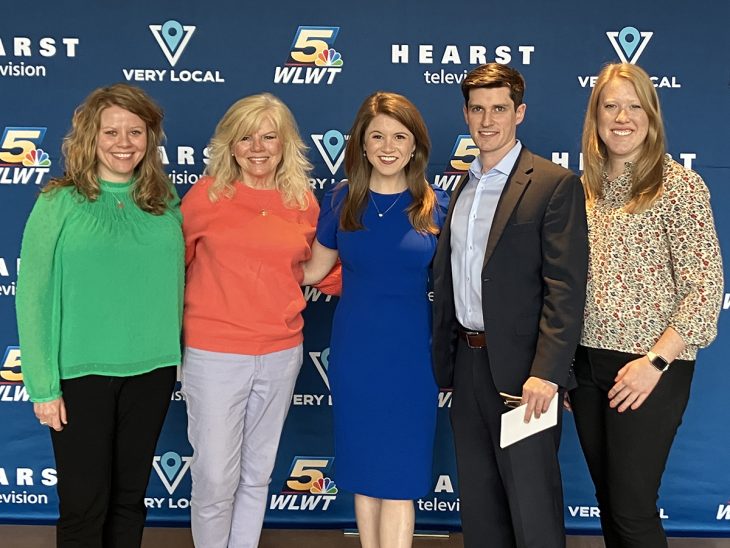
27, 536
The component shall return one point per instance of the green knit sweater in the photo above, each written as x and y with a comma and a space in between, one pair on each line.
99, 289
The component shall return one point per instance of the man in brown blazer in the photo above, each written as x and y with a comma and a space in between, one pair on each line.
509, 288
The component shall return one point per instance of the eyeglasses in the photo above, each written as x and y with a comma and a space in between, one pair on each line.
513, 402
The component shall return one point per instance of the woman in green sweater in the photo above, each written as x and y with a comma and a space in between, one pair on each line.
99, 304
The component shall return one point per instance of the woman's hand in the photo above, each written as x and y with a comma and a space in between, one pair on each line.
51, 413
321, 262
634, 382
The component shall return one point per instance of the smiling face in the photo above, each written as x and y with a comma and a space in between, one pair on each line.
622, 122
388, 146
493, 120
120, 144
259, 154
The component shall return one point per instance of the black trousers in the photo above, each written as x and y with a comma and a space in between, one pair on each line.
627, 452
104, 456
510, 497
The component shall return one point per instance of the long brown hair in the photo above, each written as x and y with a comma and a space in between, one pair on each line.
358, 168
152, 190
646, 175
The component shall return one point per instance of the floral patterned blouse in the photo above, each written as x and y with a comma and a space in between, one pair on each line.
654, 269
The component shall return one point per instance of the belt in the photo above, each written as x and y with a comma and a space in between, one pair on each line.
474, 339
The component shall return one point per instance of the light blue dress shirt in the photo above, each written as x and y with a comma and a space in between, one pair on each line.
470, 226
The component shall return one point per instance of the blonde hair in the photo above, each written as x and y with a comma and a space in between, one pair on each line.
243, 118
646, 175
358, 168
152, 190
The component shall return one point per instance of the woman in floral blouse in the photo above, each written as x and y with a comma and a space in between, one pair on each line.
653, 298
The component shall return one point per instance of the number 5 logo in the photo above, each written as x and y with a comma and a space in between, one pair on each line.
26, 139
464, 153
309, 42
10, 367
305, 471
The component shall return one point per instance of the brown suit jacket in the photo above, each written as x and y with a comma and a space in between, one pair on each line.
533, 279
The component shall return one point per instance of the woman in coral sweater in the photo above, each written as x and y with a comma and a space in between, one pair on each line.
247, 226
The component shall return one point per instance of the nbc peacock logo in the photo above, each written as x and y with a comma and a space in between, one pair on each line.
328, 58
323, 486
37, 158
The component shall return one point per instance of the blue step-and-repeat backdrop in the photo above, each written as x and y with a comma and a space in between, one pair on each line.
322, 59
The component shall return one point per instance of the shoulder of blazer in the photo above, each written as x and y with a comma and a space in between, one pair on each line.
544, 167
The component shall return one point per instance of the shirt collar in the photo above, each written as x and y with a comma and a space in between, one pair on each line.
504, 166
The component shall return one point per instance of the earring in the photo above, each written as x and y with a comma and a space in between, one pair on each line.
413, 154
364, 154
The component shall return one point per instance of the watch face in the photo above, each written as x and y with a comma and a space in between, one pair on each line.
660, 363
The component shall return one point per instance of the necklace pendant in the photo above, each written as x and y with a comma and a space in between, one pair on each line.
120, 205
380, 214
263, 213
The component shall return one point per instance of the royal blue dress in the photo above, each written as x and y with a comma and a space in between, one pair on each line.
384, 395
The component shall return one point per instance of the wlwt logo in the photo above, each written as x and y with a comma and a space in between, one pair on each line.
312, 59
308, 487
22, 161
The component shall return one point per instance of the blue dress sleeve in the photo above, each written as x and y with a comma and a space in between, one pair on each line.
442, 205
329, 216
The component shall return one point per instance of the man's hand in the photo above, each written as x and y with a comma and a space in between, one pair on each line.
537, 395
51, 413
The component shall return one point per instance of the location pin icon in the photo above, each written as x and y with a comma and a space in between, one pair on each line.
172, 33
171, 463
333, 142
629, 39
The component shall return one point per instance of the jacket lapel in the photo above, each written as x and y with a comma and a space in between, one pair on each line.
516, 185
443, 252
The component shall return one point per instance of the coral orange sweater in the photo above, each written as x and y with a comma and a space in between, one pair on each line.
242, 291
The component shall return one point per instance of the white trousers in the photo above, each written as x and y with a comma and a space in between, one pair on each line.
236, 406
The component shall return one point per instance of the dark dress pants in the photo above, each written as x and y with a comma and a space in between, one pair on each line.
104, 456
510, 497
627, 452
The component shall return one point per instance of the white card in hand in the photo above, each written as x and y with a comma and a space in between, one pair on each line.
514, 427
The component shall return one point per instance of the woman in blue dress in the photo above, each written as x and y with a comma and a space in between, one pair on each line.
382, 223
